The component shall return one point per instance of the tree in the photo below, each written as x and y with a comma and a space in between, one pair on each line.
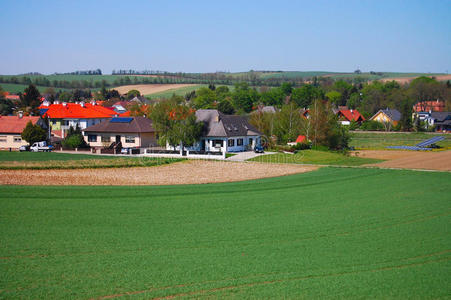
244, 97
205, 98
74, 139
226, 107
288, 123
176, 124
31, 99
33, 133
406, 115
334, 97
305, 95
132, 94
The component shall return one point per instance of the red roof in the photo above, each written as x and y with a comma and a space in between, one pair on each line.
301, 139
14, 124
76, 111
351, 114
12, 97
430, 106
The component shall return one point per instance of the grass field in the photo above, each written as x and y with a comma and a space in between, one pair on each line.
16, 88
380, 140
55, 160
329, 233
179, 92
315, 157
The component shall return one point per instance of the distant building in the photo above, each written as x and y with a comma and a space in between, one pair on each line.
425, 106
131, 132
387, 116
11, 128
441, 121
64, 115
346, 116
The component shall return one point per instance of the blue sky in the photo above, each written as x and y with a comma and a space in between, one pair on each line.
207, 36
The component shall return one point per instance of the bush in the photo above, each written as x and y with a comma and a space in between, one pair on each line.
33, 133
301, 146
372, 126
74, 139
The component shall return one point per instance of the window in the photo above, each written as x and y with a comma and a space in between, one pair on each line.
239, 142
129, 139
17, 139
217, 143
106, 139
92, 138
231, 143
3, 138
250, 141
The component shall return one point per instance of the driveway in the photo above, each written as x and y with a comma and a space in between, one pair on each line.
242, 156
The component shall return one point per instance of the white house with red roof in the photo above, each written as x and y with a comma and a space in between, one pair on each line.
346, 116
64, 115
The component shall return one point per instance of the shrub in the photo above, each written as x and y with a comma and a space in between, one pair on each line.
372, 126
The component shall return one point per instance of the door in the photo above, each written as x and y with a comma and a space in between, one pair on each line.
118, 139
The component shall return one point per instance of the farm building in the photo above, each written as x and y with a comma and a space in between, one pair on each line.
11, 128
346, 116
64, 115
136, 132
391, 116
437, 106
225, 133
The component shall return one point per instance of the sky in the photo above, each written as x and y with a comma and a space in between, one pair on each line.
209, 36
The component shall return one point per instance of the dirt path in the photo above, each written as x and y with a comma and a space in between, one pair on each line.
147, 89
188, 172
410, 159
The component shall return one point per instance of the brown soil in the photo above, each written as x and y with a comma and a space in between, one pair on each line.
147, 89
427, 160
187, 172
404, 80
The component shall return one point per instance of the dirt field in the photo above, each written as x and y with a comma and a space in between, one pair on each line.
410, 159
404, 80
188, 172
147, 89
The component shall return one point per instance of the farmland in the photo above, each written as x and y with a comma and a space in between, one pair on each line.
380, 140
52, 160
315, 157
327, 233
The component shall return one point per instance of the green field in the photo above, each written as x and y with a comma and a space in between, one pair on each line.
55, 160
332, 233
315, 157
380, 140
178, 91
19, 88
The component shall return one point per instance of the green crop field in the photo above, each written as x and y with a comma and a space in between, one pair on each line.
177, 91
380, 140
315, 157
331, 233
55, 160
19, 88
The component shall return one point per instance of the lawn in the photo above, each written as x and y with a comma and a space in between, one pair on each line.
380, 140
55, 160
315, 157
332, 233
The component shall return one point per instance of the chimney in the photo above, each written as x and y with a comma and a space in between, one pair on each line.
217, 118
93, 102
82, 103
64, 103
20, 114
46, 103
56, 102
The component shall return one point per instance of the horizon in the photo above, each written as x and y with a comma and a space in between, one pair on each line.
202, 37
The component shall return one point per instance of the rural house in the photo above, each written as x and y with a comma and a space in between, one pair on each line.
226, 133
64, 115
346, 116
136, 132
391, 116
422, 106
11, 128
441, 121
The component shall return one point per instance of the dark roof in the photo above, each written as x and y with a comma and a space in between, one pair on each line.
123, 125
218, 124
441, 116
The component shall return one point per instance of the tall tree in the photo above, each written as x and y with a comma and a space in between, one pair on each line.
31, 99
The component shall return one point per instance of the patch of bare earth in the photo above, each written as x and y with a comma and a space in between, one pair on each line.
187, 172
427, 160
147, 89
404, 80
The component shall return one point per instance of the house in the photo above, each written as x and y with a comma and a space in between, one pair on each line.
11, 128
132, 132
346, 116
299, 140
387, 116
422, 106
441, 121
225, 133
64, 115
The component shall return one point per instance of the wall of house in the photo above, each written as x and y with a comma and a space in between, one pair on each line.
64, 124
11, 140
105, 139
383, 118
249, 142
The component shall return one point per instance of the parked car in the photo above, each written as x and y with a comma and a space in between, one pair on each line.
24, 148
125, 151
41, 147
259, 149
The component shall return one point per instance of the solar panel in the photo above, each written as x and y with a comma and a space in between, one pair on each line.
415, 148
121, 120
42, 111
430, 141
